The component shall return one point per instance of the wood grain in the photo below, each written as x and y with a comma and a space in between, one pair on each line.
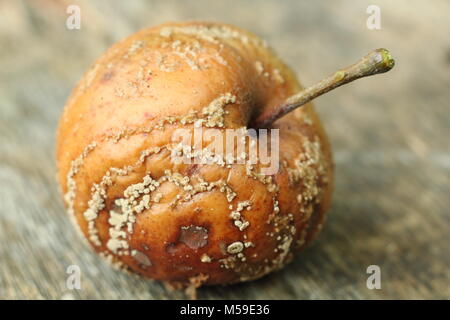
390, 136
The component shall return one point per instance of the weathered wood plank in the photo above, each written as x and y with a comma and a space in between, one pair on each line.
390, 137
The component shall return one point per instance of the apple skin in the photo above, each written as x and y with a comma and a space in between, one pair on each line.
132, 99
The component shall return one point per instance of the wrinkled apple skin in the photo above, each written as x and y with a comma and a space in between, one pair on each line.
169, 221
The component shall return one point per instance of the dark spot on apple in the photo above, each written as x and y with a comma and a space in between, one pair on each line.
190, 237
194, 236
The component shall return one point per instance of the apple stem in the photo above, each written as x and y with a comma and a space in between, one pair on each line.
377, 61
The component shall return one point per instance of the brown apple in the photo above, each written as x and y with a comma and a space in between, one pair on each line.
191, 223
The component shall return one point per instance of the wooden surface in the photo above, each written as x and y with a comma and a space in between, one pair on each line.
390, 136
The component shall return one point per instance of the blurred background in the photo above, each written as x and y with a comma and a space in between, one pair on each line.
390, 136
